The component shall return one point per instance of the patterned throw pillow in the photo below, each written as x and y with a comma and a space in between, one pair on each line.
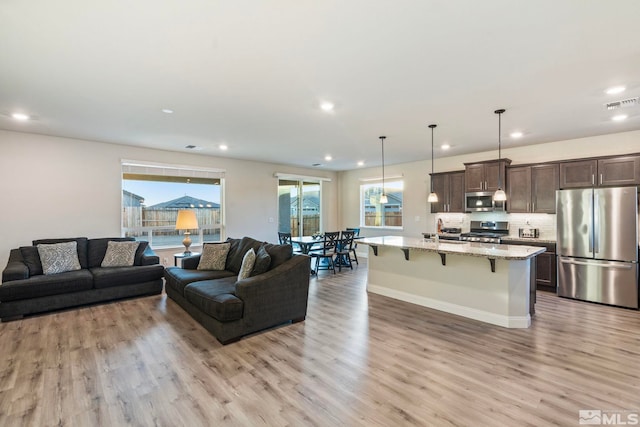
120, 254
247, 264
214, 256
59, 257
263, 261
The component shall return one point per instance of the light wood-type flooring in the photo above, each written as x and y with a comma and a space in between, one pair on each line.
358, 360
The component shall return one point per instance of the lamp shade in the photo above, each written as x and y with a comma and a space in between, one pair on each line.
500, 195
186, 220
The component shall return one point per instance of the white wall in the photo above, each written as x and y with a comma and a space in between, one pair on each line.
59, 187
417, 217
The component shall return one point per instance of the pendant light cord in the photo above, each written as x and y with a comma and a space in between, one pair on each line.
499, 148
432, 127
382, 139
499, 113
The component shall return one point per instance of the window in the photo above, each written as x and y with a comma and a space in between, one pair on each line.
153, 194
374, 214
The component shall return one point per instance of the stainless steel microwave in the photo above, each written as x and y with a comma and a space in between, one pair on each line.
482, 201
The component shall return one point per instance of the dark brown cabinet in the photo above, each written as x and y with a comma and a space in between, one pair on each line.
545, 264
519, 189
449, 186
485, 176
619, 171
603, 172
532, 189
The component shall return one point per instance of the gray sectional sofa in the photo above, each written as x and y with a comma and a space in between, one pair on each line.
230, 308
26, 290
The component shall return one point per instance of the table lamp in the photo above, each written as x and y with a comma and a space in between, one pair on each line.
186, 221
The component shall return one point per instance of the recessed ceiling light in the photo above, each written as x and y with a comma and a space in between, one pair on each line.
328, 158
167, 110
223, 147
445, 146
20, 116
619, 117
360, 163
327, 106
615, 90
516, 134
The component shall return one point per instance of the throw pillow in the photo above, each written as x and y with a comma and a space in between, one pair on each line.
59, 257
248, 261
214, 256
263, 261
120, 254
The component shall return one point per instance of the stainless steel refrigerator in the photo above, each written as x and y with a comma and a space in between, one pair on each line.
597, 245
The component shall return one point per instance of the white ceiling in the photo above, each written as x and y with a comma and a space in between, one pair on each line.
251, 74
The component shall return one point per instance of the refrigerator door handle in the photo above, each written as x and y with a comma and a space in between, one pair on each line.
624, 266
596, 224
590, 227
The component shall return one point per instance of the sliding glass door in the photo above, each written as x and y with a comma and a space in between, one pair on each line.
299, 207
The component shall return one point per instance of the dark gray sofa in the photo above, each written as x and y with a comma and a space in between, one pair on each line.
26, 290
230, 308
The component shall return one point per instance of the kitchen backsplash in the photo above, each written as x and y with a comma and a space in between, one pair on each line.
546, 223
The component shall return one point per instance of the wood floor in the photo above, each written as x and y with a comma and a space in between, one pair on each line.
358, 359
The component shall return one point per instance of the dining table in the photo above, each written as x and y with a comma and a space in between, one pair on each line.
306, 243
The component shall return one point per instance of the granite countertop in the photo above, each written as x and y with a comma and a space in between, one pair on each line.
529, 239
533, 240
486, 250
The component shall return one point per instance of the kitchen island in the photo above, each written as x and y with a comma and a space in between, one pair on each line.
482, 281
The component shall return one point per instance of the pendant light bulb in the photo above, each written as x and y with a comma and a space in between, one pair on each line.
499, 195
383, 196
433, 197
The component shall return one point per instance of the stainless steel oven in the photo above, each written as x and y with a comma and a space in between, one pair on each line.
482, 201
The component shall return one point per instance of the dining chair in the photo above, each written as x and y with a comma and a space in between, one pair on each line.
355, 244
285, 239
327, 251
343, 249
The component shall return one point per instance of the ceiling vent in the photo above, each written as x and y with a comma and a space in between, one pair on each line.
622, 104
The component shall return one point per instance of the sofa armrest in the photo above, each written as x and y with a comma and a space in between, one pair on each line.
16, 269
190, 262
149, 257
276, 296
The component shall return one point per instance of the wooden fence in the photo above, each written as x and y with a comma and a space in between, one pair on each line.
134, 217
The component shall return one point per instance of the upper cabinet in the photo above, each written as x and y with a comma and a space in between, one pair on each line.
532, 189
604, 172
485, 176
618, 171
449, 186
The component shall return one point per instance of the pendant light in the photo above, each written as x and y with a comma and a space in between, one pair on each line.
433, 197
383, 197
499, 195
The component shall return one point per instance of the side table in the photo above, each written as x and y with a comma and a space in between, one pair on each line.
181, 255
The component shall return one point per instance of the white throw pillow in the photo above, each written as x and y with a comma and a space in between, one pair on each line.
59, 257
120, 254
214, 256
248, 261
